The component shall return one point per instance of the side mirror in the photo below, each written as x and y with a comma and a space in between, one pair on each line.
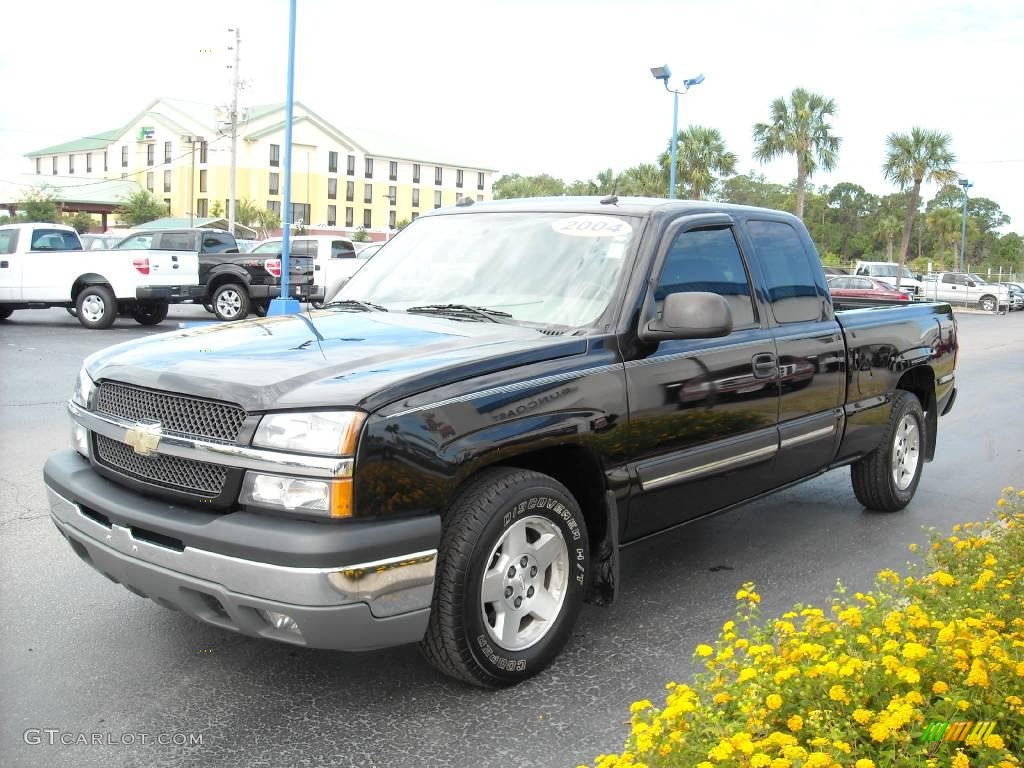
695, 315
971, 284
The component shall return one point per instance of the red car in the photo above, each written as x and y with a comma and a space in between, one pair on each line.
856, 287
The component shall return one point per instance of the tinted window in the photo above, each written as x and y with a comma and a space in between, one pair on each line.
342, 249
861, 284
136, 242
176, 241
54, 240
272, 247
8, 240
788, 272
707, 260
218, 243
839, 284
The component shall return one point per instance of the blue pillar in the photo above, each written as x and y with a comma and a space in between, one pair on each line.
285, 305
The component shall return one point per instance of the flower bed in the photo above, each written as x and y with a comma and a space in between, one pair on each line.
860, 683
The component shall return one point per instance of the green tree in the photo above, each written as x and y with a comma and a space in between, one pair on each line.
945, 223
266, 221
361, 236
752, 189
81, 221
515, 185
139, 208
911, 159
248, 213
887, 228
39, 204
801, 128
701, 158
402, 224
581, 188
644, 180
216, 210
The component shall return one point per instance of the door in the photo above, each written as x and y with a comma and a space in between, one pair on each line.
810, 346
10, 265
48, 261
954, 288
702, 412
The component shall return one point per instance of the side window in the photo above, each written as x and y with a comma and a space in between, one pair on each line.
176, 241
342, 249
708, 260
788, 273
861, 284
271, 248
863, 270
8, 240
840, 283
136, 243
217, 243
947, 279
54, 240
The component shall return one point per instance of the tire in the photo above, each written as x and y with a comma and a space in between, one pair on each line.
208, 308
260, 308
886, 479
72, 311
96, 307
487, 530
317, 304
988, 303
230, 302
152, 313
5, 312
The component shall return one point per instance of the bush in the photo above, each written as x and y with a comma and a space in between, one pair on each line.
858, 684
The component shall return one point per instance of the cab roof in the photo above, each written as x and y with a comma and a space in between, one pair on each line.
629, 206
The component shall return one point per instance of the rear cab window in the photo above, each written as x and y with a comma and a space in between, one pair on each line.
8, 240
176, 241
54, 240
790, 277
342, 249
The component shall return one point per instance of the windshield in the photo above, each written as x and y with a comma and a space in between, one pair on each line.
977, 278
890, 270
546, 268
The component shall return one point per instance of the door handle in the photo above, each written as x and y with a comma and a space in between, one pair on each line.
4, 264
764, 365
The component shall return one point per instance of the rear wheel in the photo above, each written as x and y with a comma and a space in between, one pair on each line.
230, 302
97, 307
887, 478
511, 574
152, 313
988, 303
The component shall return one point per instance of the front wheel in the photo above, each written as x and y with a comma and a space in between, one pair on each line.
97, 307
5, 312
988, 303
150, 314
511, 575
230, 302
886, 479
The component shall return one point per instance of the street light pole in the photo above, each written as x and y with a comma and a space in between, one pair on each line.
234, 131
963, 232
193, 140
663, 73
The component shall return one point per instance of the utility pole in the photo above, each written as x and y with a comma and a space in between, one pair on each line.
234, 130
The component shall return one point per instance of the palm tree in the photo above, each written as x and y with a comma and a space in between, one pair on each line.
606, 182
644, 180
888, 227
799, 128
912, 159
945, 222
701, 156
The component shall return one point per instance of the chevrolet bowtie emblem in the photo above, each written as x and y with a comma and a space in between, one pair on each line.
144, 438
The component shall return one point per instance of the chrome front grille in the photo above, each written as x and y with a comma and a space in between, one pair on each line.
173, 472
176, 413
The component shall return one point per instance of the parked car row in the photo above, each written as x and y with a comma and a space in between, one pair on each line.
99, 277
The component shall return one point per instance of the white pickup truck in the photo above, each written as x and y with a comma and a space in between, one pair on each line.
964, 288
44, 265
336, 259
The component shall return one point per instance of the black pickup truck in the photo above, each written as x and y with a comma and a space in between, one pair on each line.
230, 283
453, 452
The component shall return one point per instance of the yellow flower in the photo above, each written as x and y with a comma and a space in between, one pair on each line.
939, 687
722, 751
818, 760
879, 732
913, 548
913, 651
978, 675
864, 763
960, 761
1001, 502
780, 762
705, 764
994, 741
842, 746
863, 716
760, 760
964, 705
837, 693
795, 723
747, 673
774, 701
704, 650
638, 706
722, 698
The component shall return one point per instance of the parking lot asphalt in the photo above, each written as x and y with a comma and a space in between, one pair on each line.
82, 655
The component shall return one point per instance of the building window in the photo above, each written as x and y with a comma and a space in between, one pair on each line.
124, 157
39, 165
437, 199
367, 218
54, 165
167, 181
393, 171
350, 191
274, 206
275, 184
332, 189
368, 193
332, 215
88, 162
202, 151
104, 161
439, 175
202, 181
350, 167
71, 164
458, 178
415, 215
167, 151
300, 213
416, 173
201, 207
332, 162
349, 217
393, 194
479, 181
369, 168
150, 154
275, 157
167, 202
391, 219
415, 198
479, 198
150, 181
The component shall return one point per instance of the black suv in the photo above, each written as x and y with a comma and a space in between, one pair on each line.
231, 284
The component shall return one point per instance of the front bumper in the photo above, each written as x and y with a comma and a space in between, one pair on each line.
172, 294
355, 604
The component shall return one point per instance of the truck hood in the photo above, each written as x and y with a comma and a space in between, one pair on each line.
325, 358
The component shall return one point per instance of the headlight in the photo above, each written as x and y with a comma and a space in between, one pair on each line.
80, 438
324, 498
333, 433
84, 387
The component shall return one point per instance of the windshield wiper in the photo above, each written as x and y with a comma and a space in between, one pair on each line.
364, 306
463, 310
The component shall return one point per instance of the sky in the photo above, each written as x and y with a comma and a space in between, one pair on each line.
543, 86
